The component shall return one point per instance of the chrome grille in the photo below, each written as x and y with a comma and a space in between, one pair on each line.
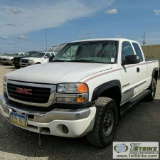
15, 60
35, 94
24, 61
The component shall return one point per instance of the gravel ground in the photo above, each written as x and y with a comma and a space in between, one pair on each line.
141, 123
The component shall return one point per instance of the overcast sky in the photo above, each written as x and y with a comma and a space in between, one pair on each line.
31, 24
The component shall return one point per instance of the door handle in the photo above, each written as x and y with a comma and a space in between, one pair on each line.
138, 69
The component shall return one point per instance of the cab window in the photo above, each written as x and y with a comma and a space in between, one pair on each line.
126, 50
48, 55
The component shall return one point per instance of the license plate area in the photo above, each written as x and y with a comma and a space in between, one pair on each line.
17, 119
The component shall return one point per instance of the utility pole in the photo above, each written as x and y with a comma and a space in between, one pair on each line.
144, 39
46, 39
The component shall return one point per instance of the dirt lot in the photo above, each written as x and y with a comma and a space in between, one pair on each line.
141, 123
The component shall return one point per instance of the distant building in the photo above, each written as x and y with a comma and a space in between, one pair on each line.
56, 48
152, 51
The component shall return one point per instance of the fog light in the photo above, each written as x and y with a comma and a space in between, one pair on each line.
65, 99
65, 129
80, 99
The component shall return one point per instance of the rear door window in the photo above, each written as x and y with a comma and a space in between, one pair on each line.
138, 51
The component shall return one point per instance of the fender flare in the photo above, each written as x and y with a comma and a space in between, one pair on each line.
101, 88
155, 70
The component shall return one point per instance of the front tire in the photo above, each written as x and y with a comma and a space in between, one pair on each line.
106, 121
17, 67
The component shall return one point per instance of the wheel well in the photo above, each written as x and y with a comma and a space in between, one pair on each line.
155, 75
113, 93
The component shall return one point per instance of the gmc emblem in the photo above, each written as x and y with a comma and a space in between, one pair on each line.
24, 91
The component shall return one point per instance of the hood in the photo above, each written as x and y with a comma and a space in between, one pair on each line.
9, 58
31, 58
57, 72
19, 57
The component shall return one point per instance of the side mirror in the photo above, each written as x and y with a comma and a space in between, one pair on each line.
45, 57
131, 59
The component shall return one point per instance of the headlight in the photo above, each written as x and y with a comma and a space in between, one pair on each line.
72, 93
72, 88
30, 61
4, 81
4, 84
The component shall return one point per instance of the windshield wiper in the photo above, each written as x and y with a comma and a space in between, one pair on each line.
59, 60
84, 60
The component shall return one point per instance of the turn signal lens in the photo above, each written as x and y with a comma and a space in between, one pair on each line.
82, 88
80, 99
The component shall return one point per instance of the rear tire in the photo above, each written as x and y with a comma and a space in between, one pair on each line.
151, 95
106, 121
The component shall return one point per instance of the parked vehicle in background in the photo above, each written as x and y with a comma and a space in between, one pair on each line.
2, 56
7, 60
37, 58
53, 53
83, 92
16, 60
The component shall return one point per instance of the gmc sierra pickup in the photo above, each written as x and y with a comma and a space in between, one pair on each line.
84, 91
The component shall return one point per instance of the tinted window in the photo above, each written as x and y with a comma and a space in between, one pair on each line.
70, 52
138, 51
38, 55
126, 50
48, 55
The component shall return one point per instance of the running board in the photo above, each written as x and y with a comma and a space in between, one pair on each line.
124, 108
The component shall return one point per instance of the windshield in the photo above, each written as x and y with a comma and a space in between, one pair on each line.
15, 54
18, 54
10, 55
92, 51
28, 54
38, 55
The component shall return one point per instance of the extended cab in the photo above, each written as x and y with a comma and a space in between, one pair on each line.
84, 91
37, 58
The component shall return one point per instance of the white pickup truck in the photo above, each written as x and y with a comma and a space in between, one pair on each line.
84, 91
37, 58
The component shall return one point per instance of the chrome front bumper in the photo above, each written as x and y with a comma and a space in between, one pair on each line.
78, 121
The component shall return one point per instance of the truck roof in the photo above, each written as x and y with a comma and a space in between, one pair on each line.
104, 39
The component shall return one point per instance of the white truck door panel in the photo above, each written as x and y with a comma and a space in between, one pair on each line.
128, 82
134, 76
142, 70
